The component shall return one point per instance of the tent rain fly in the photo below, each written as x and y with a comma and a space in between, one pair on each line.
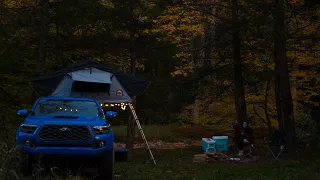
91, 79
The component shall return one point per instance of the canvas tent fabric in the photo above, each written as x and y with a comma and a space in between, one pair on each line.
91, 79
94, 75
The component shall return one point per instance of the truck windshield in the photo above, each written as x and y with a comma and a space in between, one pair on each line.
66, 108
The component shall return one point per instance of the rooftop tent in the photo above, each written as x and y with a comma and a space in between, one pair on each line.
91, 79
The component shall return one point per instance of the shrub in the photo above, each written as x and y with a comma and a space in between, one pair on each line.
308, 130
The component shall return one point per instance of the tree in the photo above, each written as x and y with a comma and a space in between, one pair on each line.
240, 102
282, 82
131, 18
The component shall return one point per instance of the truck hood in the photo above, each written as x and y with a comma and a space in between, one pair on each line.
41, 120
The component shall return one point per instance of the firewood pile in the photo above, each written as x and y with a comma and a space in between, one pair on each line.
221, 157
210, 157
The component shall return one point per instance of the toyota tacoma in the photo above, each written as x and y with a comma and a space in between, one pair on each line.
68, 126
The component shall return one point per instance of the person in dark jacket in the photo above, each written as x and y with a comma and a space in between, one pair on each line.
244, 136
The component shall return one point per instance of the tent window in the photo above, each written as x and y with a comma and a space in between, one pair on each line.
80, 86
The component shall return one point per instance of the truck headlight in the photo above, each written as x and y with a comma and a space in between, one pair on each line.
102, 129
28, 128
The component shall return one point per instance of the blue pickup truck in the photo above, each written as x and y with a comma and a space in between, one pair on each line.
68, 126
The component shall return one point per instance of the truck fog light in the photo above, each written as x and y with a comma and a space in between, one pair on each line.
27, 143
101, 144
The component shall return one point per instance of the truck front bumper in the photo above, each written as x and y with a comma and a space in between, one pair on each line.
66, 150
98, 145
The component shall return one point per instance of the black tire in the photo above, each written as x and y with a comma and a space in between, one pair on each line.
27, 165
106, 166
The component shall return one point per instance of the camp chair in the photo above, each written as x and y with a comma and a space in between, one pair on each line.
277, 144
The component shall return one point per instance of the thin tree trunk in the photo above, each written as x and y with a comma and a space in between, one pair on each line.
44, 13
284, 104
294, 87
131, 123
266, 108
278, 101
59, 52
240, 102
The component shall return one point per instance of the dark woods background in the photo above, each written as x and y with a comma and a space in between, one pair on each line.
192, 52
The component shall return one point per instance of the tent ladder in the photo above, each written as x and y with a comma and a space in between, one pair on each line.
141, 132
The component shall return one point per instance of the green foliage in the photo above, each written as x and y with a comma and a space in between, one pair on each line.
309, 129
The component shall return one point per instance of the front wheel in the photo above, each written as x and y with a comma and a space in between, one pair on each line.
27, 165
106, 166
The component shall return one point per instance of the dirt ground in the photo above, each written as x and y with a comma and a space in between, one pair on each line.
260, 156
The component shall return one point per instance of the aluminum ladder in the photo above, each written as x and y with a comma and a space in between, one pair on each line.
141, 132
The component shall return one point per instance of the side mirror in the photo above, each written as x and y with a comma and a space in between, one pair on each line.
23, 112
111, 114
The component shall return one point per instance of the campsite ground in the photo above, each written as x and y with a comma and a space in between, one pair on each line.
177, 163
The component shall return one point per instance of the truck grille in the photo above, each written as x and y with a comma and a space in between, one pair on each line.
64, 132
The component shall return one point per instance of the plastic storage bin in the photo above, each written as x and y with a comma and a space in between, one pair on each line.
221, 143
208, 145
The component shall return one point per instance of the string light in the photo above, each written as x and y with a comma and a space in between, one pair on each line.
122, 105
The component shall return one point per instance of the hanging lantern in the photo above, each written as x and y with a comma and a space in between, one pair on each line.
123, 106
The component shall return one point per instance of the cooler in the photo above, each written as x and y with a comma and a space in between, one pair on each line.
221, 143
208, 145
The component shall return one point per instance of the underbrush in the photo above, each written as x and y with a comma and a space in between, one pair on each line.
12, 164
308, 131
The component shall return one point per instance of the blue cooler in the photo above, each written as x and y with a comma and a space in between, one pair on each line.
208, 145
221, 143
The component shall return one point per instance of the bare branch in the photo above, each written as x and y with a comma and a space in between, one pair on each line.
259, 116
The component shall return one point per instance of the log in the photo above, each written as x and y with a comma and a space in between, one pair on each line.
210, 157
200, 158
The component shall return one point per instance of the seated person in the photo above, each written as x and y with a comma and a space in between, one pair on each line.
244, 135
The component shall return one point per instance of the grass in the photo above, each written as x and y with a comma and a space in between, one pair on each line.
176, 132
164, 133
177, 164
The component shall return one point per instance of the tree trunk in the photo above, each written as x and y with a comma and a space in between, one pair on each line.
266, 108
131, 130
58, 44
240, 102
44, 13
294, 92
278, 101
131, 123
283, 92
